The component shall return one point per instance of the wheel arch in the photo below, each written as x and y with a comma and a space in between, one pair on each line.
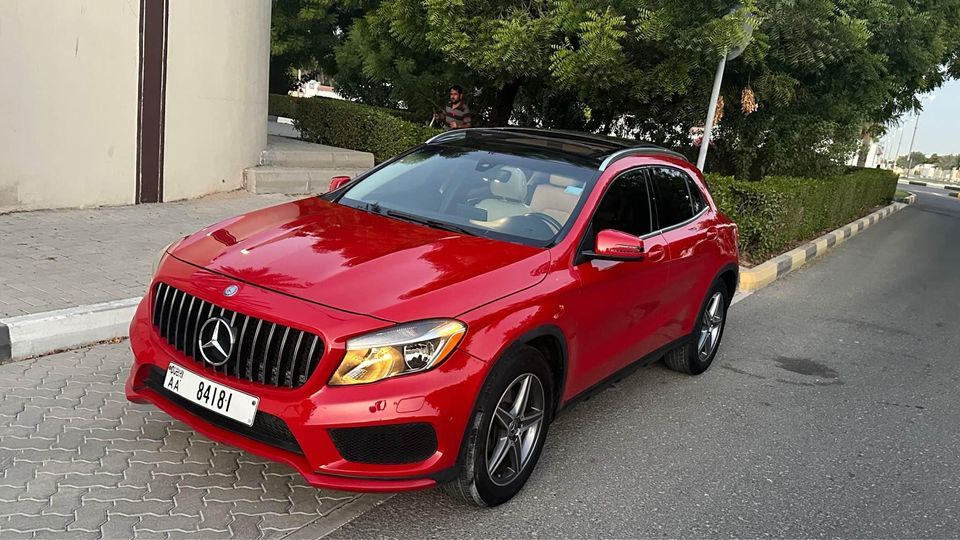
730, 275
552, 343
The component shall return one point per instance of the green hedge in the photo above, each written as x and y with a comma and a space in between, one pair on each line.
281, 105
776, 213
381, 131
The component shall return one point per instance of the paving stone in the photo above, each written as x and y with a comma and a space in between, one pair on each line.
148, 476
246, 526
10, 493
23, 507
35, 522
119, 526
90, 516
84, 256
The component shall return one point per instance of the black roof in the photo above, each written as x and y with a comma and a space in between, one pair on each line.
595, 149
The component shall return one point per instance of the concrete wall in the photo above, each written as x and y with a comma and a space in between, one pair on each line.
216, 105
68, 102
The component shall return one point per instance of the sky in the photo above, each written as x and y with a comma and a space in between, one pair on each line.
939, 130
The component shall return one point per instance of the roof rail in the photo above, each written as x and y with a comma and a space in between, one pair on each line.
639, 150
451, 135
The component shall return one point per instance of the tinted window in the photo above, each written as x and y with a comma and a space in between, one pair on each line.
625, 206
672, 196
696, 198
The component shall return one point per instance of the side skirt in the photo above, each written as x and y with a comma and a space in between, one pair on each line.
622, 373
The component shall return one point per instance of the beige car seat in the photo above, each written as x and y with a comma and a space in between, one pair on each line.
508, 196
557, 198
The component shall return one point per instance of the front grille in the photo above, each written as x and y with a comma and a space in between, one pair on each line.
266, 428
264, 352
393, 444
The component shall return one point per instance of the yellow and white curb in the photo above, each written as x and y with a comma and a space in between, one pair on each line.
766, 273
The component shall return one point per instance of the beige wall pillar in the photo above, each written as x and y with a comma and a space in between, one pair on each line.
216, 95
68, 102
82, 97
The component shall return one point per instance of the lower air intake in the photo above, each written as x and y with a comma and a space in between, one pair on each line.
394, 444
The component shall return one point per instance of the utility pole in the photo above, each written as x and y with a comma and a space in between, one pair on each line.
715, 94
912, 139
899, 143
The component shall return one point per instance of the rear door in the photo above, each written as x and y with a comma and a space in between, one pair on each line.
684, 220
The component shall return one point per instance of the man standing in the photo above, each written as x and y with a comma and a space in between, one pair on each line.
457, 114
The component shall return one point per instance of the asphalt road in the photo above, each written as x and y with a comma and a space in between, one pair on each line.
831, 410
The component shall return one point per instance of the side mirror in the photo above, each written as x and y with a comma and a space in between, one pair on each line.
338, 181
613, 245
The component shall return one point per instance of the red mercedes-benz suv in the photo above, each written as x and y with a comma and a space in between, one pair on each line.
422, 324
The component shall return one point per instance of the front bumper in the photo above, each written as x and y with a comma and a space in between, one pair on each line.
444, 397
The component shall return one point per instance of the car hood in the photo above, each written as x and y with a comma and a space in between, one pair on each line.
363, 263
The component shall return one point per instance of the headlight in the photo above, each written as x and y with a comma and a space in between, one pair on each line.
159, 257
408, 348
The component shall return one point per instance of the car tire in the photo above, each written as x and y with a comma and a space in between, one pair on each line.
493, 436
695, 356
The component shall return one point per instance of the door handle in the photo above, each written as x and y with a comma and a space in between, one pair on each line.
655, 253
712, 233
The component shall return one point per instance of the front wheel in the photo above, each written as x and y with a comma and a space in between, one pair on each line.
697, 354
508, 430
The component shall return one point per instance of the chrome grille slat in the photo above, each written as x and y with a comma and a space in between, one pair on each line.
193, 316
196, 325
186, 324
176, 323
310, 366
278, 367
169, 311
162, 289
291, 373
240, 341
253, 350
264, 352
265, 362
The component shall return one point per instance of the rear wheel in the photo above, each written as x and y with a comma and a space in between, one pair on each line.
697, 354
508, 430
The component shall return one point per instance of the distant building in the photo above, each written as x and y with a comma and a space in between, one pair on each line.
109, 102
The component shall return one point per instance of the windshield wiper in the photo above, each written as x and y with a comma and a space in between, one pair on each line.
437, 224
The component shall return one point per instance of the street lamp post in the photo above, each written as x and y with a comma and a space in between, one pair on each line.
715, 94
913, 138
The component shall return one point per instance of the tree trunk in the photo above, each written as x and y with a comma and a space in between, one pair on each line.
503, 104
865, 140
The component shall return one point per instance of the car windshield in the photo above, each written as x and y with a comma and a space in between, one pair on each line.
509, 192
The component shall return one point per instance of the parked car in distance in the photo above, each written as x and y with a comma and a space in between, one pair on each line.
423, 323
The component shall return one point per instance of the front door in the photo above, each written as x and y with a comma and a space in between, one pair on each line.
620, 303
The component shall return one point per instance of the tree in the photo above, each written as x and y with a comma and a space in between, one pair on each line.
825, 75
603, 59
304, 35
834, 72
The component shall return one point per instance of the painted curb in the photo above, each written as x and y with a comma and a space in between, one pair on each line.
948, 187
31, 335
758, 277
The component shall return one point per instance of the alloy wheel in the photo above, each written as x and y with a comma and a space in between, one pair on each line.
514, 429
710, 326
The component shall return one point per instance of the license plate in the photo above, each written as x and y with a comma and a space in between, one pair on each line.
211, 395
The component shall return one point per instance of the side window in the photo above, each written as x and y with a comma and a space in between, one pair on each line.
696, 197
625, 206
672, 196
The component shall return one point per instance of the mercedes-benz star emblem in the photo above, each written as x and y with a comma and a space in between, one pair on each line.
216, 341
231, 290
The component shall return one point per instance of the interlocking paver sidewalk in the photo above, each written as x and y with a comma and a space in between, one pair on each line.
79, 461
55, 259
